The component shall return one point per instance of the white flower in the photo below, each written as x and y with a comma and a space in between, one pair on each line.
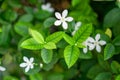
77, 26
97, 43
62, 19
88, 44
47, 7
28, 63
2, 68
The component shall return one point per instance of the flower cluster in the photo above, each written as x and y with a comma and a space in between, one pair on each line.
91, 43
2, 68
47, 7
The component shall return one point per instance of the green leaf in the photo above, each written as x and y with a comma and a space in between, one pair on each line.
115, 66
26, 18
116, 41
31, 44
94, 71
22, 28
49, 22
37, 76
104, 76
71, 54
10, 78
83, 33
41, 14
50, 45
46, 55
75, 2
109, 51
104, 64
88, 55
117, 77
4, 37
55, 37
37, 36
69, 39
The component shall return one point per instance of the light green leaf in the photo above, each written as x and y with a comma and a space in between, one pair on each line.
37, 76
49, 22
75, 2
118, 77
71, 54
55, 37
46, 55
31, 44
10, 78
83, 33
104, 76
109, 51
69, 39
50, 45
37, 36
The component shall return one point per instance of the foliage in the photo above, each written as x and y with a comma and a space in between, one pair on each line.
29, 30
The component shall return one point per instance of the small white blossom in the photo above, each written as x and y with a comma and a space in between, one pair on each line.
62, 19
28, 63
77, 26
47, 7
2, 68
88, 44
97, 43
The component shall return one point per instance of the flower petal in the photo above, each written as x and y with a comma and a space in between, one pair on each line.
69, 19
31, 59
98, 48
91, 46
25, 59
27, 68
64, 25
90, 39
64, 13
77, 25
23, 65
101, 42
85, 50
31, 66
73, 32
97, 37
58, 15
2, 68
57, 22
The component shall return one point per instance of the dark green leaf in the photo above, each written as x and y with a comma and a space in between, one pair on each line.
116, 41
104, 76
46, 55
49, 22
109, 51
26, 18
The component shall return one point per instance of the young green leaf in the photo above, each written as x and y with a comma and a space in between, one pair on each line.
83, 33
69, 39
55, 37
117, 77
37, 36
109, 51
71, 54
31, 44
50, 45
46, 55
